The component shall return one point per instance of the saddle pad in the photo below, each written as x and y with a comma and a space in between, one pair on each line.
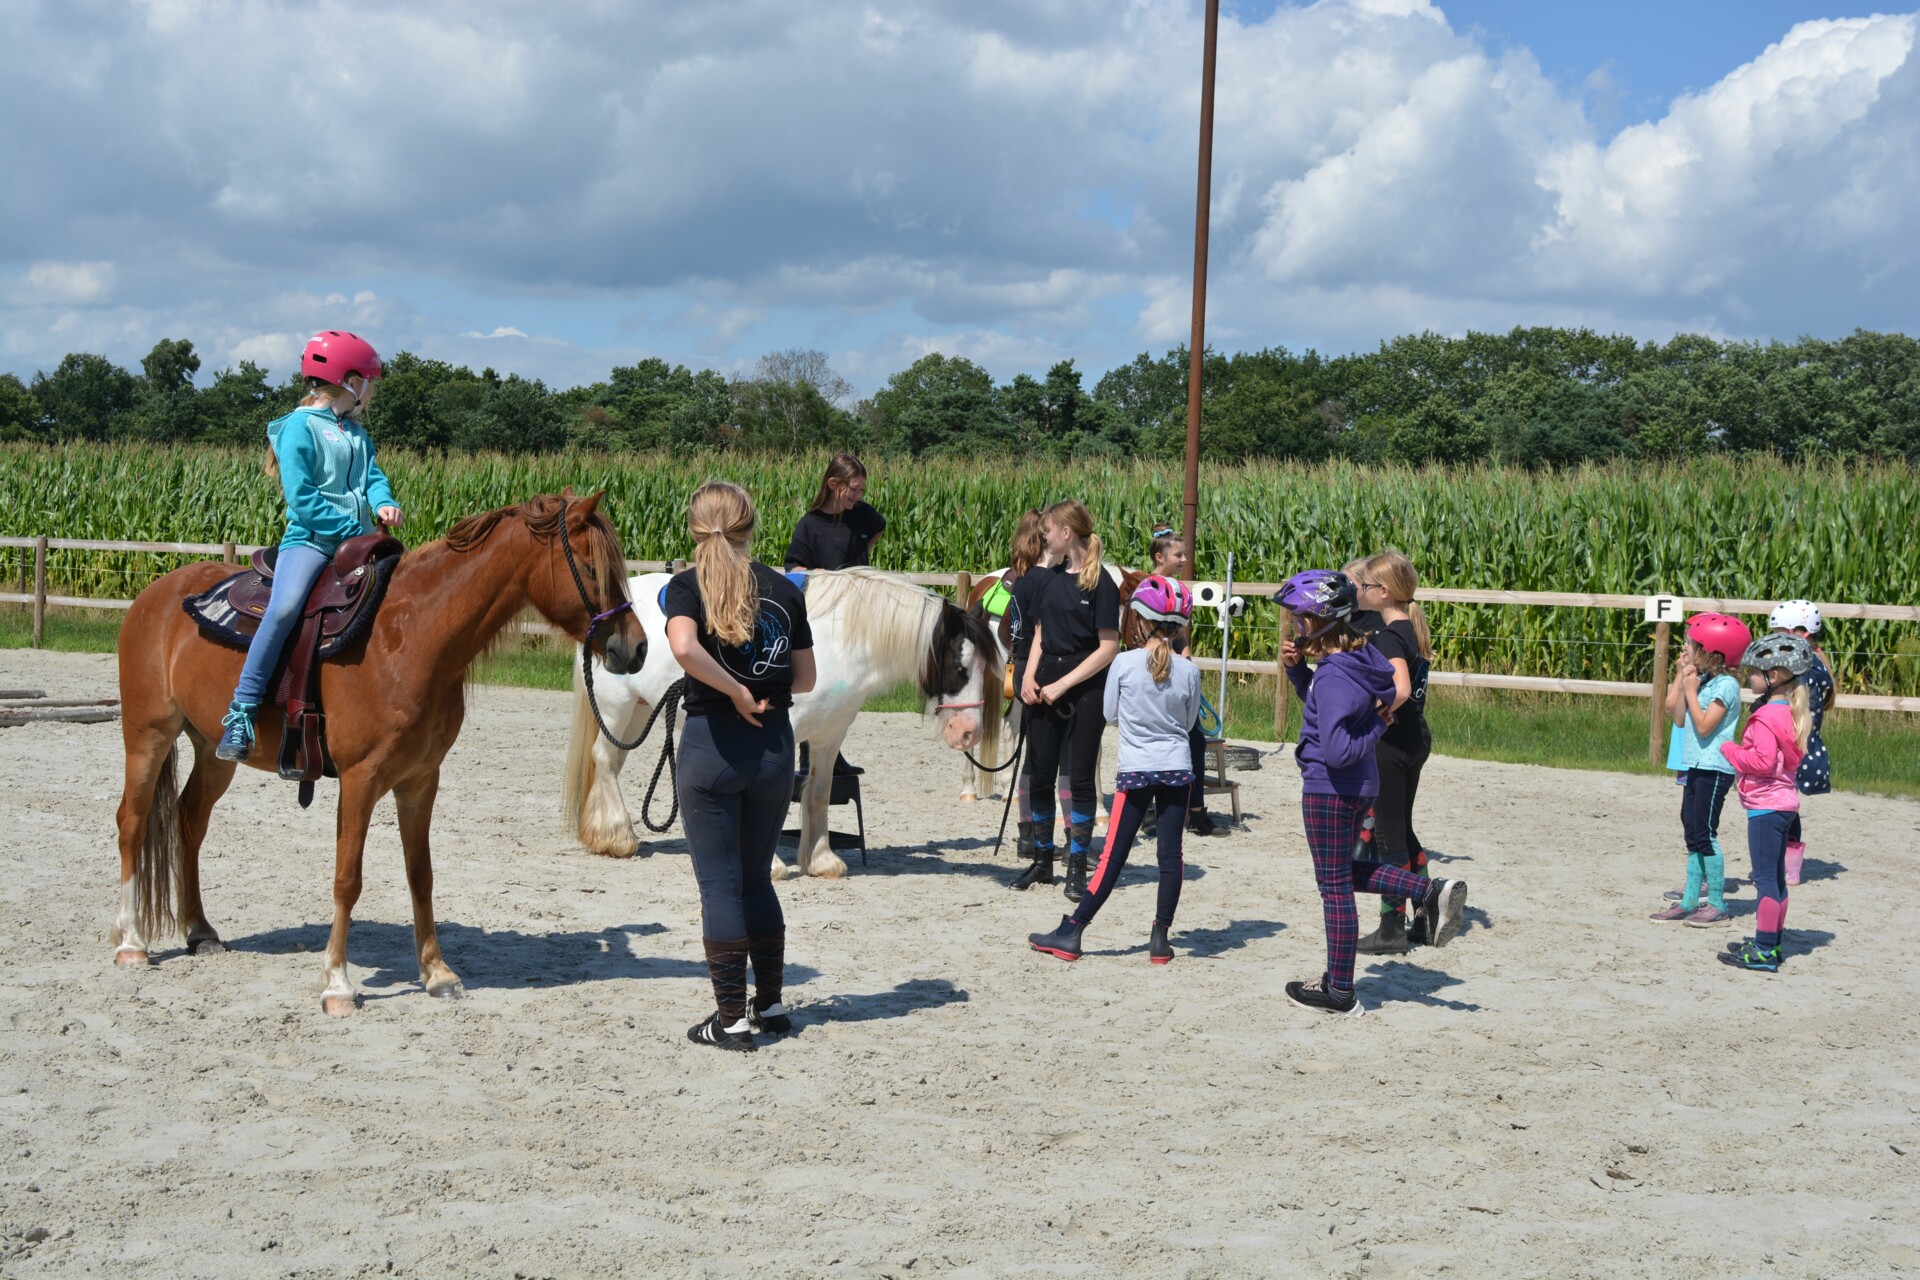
224, 622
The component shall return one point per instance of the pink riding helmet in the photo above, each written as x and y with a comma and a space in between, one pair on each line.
1721, 634
1162, 599
332, 354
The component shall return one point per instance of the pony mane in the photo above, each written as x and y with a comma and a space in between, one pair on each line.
542, 515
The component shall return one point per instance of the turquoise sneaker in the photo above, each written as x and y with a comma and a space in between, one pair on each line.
236, 743
1753, 956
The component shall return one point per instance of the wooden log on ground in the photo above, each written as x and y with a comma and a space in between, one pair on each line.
22, 693
66, 715
37, 702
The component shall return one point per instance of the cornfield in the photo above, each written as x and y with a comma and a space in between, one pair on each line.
1716, 527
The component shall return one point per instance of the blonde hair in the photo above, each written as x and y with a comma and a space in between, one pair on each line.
320, 395
1072, 514
1799, 702
1341, 637
1160, 650
1028, 546
1395, 572
720, 517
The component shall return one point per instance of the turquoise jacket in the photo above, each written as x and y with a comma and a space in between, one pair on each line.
332, 483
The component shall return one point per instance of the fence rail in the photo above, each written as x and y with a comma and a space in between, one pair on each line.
960, 582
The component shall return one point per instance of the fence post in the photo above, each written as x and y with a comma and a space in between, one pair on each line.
676, 566
26, 568
229, 553
1282, 686
962, 588
1657, 730
39, 589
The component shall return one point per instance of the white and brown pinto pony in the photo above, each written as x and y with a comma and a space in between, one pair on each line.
871, 631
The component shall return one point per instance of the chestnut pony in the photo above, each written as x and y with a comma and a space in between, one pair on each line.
393, 710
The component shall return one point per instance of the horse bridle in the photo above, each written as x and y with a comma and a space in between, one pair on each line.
669, 703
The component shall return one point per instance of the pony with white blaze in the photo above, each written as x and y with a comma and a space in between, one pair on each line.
871, 631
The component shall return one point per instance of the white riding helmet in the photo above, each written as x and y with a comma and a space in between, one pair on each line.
1791, 614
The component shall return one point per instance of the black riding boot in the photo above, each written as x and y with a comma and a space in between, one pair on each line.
1063, 941
1390, 939
1079, 842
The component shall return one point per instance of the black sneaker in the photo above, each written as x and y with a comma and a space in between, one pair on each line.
1446, 912
1200, 823
738, 1037
1314, 995
770, 1021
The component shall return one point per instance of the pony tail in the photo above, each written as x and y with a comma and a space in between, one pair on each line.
1091, 570
1800, 701
720, 517
272, 464
1159, 658
1418, 617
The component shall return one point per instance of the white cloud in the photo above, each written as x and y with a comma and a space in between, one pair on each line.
67, 282
754, 174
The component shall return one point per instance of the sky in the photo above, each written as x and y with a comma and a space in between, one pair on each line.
553, 190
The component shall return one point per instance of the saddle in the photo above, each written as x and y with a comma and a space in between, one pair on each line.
337, 616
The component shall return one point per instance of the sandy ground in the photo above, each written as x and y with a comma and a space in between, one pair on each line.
1568, 1090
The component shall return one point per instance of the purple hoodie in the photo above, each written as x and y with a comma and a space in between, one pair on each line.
1339, 724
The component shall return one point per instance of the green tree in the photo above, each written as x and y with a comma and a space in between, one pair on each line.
241, 402
413, 406
168, 406
85, 397
939, 403
19, 411
515, 415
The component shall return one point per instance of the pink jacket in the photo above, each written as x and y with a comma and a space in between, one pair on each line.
1765, 758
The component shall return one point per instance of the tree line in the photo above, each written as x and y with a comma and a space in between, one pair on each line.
1533, 397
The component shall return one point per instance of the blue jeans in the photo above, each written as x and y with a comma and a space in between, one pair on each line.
293, 577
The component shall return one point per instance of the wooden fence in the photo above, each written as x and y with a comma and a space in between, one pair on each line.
961, 583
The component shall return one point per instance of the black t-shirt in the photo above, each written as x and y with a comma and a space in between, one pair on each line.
1025, 590
1069, 619
765, 663
1397, 640
821, 541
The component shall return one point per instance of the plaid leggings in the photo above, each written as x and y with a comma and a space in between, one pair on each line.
1333, 825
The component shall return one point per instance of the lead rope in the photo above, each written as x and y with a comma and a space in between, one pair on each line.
670, 704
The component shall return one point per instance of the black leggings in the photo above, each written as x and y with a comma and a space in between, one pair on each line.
1129, 808
1393, 837
735, 784
1197, 750
1078, 720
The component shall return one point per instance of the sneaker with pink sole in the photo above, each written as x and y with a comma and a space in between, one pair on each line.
1707, 916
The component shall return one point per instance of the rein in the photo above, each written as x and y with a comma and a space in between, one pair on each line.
670, 703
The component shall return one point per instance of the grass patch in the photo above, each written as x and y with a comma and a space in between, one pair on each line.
1873, 751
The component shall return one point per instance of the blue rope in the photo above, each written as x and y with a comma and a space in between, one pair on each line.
1209, 719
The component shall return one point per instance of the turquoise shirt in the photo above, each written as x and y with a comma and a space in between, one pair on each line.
327, 471
1700, 751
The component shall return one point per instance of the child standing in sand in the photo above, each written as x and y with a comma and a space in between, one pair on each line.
1767, 758
1153, 697
1344, 709
1815, 776
1705, 702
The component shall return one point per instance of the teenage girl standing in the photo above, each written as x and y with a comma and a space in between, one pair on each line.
1153, 697
1767, 758
1076, 634
1026, 562
1387, 589
1343, 713
1172, 559
739, 630
839, 531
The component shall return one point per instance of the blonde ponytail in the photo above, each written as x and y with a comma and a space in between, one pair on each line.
1800, 701
1159, 658
1395, 572
720, 516
1073, 516
1091, 568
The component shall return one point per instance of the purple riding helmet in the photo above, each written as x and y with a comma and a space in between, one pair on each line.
1324, 593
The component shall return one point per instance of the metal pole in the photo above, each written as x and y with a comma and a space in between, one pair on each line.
1226, 636
1197, 344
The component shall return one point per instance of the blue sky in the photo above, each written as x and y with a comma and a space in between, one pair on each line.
552, 191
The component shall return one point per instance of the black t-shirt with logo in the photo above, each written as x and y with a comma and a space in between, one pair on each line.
1398, 640
821, 541
765, 663
1025, 590
1070, 620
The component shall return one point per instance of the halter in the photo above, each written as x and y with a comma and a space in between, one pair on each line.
958, 706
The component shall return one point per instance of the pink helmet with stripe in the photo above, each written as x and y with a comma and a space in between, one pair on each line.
1162, 599
332, 354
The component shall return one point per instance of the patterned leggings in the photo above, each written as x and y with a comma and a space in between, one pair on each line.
1333, 825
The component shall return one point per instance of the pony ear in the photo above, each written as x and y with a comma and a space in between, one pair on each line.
587, 506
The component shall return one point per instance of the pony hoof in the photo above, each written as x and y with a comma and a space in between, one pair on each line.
206, 947
618, 850
829, 869
968, 797
127, 958
339, 1006
453, 989
781, 870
